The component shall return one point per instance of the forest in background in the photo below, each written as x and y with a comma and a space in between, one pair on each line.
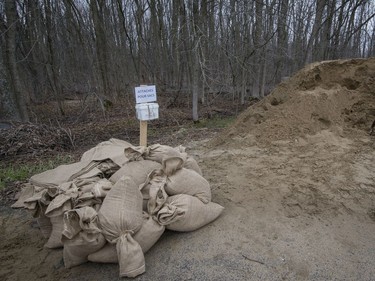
73, 49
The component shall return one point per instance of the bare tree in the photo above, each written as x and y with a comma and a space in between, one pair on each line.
11, 89
53, 49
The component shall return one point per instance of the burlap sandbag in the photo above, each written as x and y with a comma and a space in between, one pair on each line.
59, 205
107, 254
153, 192
83, 244
192, 164
187, 213
158, 152
44, 224
86, 184
55, 211
155, 152
146, 237
137, 170
149, 233
158, 197
81, 236
189, 162
59, 175
108, 167
36, 203
112, 149
185, 181
26, 192
101, 188
54, 240
120, 217
136, 153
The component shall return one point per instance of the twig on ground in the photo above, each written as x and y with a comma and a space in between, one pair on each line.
250, 259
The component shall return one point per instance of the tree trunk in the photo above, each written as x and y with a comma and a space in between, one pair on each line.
195, 87
12, 89
257, 47
314, 49
282, 41
52, 67
96, 8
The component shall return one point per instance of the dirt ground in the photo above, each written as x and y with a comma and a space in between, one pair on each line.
295, 174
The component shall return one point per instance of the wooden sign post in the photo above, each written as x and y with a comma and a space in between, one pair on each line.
143, 133
146, 109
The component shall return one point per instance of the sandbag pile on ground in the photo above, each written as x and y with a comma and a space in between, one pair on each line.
115, 203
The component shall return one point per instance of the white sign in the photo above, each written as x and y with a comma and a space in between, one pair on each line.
145, 94
147, 111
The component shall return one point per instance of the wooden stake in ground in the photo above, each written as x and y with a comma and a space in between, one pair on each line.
143, 133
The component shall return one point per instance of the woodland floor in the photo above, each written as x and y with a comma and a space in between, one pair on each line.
296, 179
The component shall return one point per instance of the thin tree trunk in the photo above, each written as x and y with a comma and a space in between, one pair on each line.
96, 8
282, 40
52, 68
15, 95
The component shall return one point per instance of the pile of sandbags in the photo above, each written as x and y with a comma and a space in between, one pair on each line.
115, 203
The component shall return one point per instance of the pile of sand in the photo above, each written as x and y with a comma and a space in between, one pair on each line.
335, 95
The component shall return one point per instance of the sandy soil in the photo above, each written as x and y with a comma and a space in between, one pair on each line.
298, 192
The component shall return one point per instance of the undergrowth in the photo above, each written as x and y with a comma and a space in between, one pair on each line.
215, 122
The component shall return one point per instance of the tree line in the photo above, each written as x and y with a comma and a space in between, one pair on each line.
54, 49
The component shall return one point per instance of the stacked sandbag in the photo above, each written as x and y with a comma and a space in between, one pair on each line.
147, 236
181, 180
120, 218
81, 236
115, 203
136, 170
187, 213
52, 193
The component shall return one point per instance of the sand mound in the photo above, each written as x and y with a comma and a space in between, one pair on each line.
335, 95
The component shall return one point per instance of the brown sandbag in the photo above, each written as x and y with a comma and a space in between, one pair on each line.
112, 149
187, 213
57, 176
137, 170
107, 254
44, 224
192, 164
108, 167
130, 256
81, 236
120, 217
37, 203
149, 233
88, 202
55, 211
136, 153
158, 152
189, 162
54, 240
83, 244
153, 191
60, 204
185, 181
146, 237
26, 192
155, 152
101, 188
158, 197
86, 184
